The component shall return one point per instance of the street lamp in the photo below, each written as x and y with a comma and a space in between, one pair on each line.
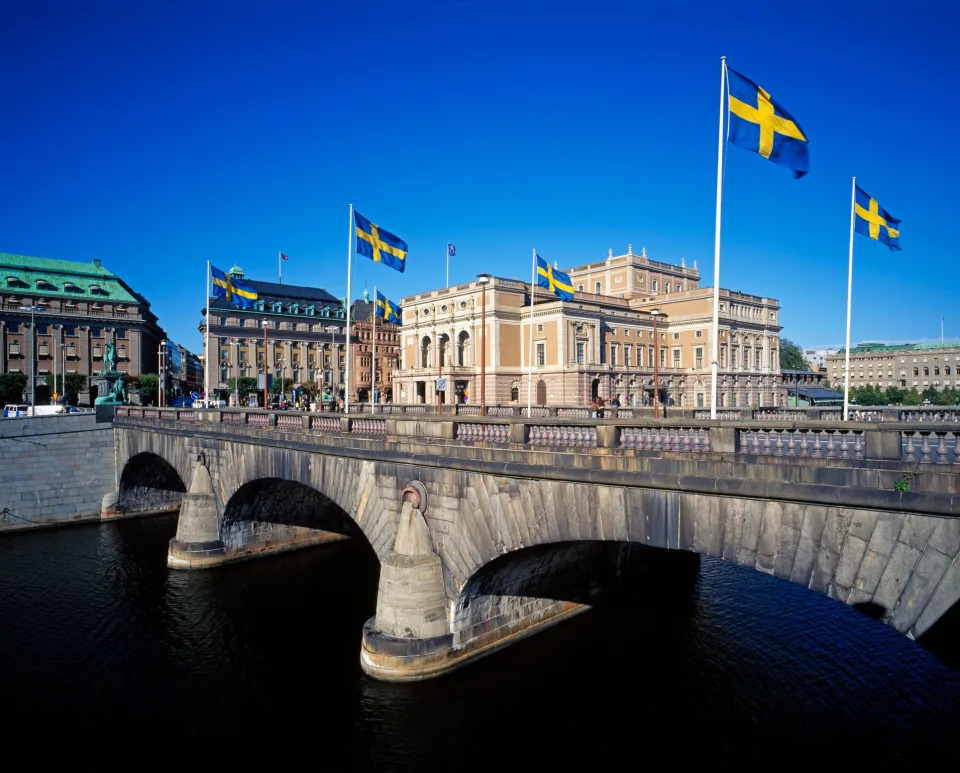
33, 356
63, 367
656, 362
281, 369
266, 360
162, 360
483, 280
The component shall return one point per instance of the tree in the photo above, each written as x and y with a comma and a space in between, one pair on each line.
12, 386
310, 388
281, 385
148, 385
242, 385
791, 356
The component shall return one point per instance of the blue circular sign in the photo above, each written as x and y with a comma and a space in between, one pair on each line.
194, 395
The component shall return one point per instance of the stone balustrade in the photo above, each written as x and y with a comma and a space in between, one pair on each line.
911, 443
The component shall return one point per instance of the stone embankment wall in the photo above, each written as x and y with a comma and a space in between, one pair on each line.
54, 469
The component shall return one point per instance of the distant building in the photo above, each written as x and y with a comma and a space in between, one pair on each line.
387, 349
818, 357
79, 307
908, 366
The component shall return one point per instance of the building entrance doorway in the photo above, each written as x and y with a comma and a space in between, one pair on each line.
541, 392
421, 396
460, 390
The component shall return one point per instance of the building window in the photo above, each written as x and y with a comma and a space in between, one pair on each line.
723, 355
699, 334
650, 357
663, 357
121, 352
758, 355
698, 359
926, 370
666, 289
626, 356
676, 358
915, 371
121, 332
541, 354
653, 284
14, 349
13, 327
596, 286
614, 350
581, 347
97, 351
579, 287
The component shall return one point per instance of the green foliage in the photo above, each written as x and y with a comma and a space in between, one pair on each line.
870, 395
76, 383
243, 385
310, 388
281, 385
12, 387
791, 356
149, 386
903, 484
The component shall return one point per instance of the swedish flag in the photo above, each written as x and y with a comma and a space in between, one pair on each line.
379, 245
239, 293
874, 221
555, 281
387, 310
760, 124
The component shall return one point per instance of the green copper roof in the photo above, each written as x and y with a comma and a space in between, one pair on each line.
868, 348
52, 278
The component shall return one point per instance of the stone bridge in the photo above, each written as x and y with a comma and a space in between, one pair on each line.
488, 529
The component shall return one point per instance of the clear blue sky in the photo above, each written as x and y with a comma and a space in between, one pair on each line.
156, 136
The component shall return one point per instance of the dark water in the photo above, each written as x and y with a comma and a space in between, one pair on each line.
107, 655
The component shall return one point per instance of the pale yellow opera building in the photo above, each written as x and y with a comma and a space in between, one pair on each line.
599, 344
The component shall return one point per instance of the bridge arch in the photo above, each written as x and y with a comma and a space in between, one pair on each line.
272, 511
149, 483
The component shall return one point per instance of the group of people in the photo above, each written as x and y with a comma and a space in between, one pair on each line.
597, 406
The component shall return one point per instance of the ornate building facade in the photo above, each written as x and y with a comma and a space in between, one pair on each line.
602, 343
76, 309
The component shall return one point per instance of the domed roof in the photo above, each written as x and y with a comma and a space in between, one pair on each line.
236, 271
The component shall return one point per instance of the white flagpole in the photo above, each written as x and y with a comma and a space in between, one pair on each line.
715, 334
206, 344
346, 387
279, 268
846, 360
533, 295
448, 264
373, 361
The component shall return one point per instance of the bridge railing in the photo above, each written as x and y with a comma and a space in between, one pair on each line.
913, 442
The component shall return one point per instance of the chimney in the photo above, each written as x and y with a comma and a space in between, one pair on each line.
97, 263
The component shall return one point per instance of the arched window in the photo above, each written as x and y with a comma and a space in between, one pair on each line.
443, 343
916, 372
425, 352
515, 391
579, 288
666, 288
926, 370
463, 344
596, 286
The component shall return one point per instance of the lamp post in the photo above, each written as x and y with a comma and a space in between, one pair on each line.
656, 363
266, 360
162, 360
280, 368
63, 367
483, 280
33, 356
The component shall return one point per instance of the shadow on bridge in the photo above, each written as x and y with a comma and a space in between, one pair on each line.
148, 483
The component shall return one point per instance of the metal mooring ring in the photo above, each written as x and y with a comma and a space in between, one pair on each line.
416, 493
